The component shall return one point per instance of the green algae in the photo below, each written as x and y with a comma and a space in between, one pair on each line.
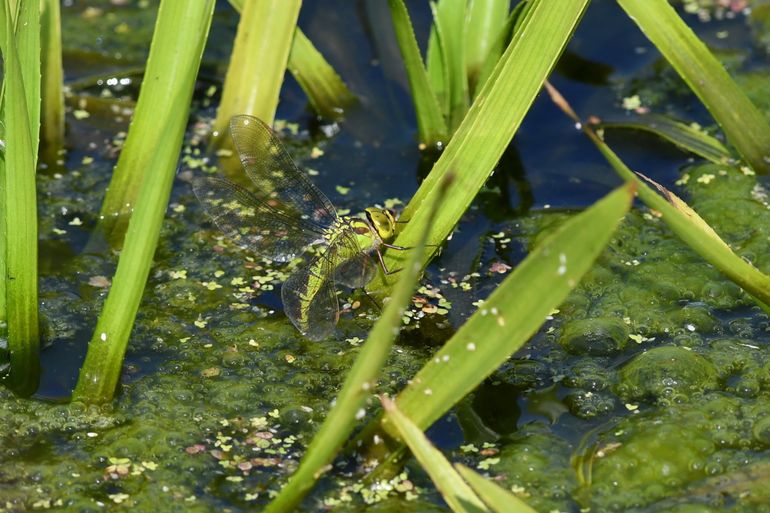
666, 456
595, 336
667, 372
534, 464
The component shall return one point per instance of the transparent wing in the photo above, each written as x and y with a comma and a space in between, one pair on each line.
277, 178
354, 267
310, 299
254, 223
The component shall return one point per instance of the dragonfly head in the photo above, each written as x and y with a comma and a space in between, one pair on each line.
383, 220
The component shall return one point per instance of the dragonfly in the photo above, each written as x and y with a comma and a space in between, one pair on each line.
283, 215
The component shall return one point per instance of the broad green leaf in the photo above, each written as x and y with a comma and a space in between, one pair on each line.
154, 142
744, 125
358, 386
685, 136
21, 120
456, 492
509, 317
495, 496
488, 128
431, 125
485, 24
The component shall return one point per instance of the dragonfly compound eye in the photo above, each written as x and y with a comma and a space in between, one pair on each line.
383, 222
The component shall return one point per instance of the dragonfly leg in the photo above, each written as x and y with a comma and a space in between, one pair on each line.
374, 302
404, 248
385, 269
393, 246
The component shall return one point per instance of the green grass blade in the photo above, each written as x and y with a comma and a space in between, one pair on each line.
327, 93
162, 110
496, 497
180, 32
744, 125
53, 75
494, 117
449, 22
683, 221
685, 136
358, 385
258, 62
21, 120
431, 125
514, 311
485, 24
456, 492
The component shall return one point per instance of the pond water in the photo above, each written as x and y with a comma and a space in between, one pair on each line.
647, 391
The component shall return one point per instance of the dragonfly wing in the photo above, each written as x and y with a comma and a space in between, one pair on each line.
310, 299
355, 267
253, 223
275, 174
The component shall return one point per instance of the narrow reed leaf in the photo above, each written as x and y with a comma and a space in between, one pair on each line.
431, 125
485, 24
163, 104
434, 66
490, 123
21, 122
4, 25
162, 111
508, 318
327, 93
495, 496
683, 220
52, 75
456, 492
27, 28
685, 136
449, 21
744, 125
258, 62
503, 37
358, 386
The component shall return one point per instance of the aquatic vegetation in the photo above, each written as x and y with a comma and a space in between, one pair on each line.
565, 359
141, 185
18, 249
